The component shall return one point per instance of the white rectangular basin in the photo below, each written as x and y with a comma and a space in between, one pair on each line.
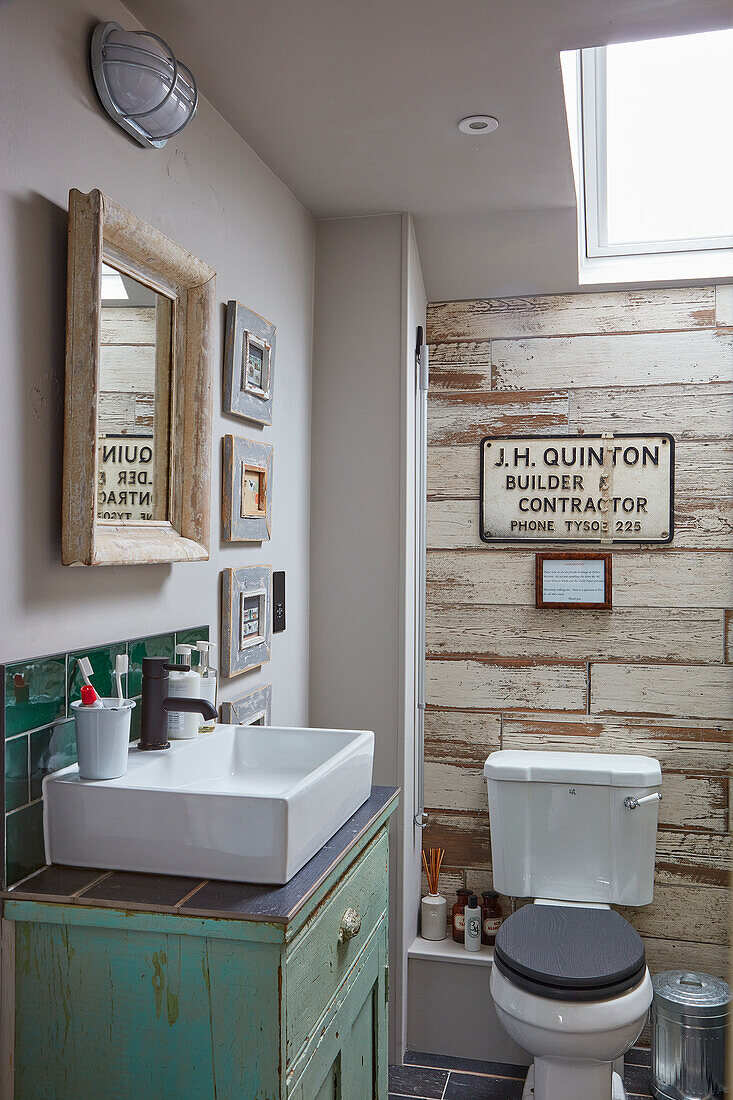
244, 803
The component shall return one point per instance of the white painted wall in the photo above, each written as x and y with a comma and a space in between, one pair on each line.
369, 299
207, 190
409, 868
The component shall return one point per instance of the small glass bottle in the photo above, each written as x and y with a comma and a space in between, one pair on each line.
491, 917
458, 924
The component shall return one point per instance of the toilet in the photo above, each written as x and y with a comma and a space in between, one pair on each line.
575, 833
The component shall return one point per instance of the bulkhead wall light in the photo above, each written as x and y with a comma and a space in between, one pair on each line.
141, 84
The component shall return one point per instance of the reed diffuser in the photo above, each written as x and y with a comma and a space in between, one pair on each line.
433, 907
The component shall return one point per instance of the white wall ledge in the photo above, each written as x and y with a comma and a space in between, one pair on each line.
449, 951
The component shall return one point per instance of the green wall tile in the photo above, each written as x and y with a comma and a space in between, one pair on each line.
39, 698
193, 635
52, 748
103, 664
16, 772
24, 833
159, 645
135, 718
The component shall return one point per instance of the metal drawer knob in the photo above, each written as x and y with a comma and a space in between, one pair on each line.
350, 925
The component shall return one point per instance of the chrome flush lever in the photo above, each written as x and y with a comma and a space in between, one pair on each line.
632, 803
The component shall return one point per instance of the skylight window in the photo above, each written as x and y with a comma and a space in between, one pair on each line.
653, 132
112, 284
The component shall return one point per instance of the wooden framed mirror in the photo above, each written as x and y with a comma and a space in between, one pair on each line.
138, 404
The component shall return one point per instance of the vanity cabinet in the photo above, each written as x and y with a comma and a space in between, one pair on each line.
281, 998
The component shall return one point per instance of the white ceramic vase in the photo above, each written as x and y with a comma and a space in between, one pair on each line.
434, 917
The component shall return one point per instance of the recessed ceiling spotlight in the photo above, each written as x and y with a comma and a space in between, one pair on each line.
478, 124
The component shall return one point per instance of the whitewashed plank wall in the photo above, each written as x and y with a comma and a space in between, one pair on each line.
652, 676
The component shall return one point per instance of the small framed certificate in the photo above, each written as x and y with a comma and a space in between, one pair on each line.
573, 580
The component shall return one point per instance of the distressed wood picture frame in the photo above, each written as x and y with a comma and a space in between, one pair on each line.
254, 708
246, 618
101, 230
570, 561
246, 490
249, 364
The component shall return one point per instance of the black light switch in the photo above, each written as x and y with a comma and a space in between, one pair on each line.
278, 601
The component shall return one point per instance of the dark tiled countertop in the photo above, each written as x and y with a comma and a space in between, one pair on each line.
202, 897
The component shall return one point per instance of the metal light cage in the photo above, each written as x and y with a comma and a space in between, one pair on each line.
141, 84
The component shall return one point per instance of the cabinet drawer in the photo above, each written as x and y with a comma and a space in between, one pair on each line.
317, 962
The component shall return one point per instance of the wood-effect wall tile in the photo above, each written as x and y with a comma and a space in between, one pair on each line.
572, 314
696, 858
699, 412
641, 578
466, 417
642, 634
639, 359
688, 746
683, 913
681, 691
463, 736
506, 685
463, 836
678, 954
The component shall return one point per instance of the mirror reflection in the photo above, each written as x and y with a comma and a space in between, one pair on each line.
134, 406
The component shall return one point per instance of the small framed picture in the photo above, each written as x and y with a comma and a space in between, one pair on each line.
254, 708
246, 488
246, 618
249, 364
251, 618
582, 581
256, 366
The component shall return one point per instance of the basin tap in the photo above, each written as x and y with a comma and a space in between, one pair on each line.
156, 703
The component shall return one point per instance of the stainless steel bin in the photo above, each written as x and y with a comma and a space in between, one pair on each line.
689, 1017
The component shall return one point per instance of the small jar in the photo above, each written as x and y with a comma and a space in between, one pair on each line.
434, 917
458, 923
491, 917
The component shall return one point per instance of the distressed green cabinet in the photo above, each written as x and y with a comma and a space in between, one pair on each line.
114, 1003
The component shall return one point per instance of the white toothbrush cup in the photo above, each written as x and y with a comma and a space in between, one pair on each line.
102, 738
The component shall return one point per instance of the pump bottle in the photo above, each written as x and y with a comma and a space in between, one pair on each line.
185, 683
208, 680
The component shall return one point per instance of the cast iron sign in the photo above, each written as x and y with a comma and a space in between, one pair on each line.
586, 488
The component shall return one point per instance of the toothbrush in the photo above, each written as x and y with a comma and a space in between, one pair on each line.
85, 667
121, 663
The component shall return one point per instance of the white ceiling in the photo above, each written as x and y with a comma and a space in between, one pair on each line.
354, 105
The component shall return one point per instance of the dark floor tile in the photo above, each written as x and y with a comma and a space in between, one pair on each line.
638, 1056
637, 1079
130, 888
466, 1065
61, 882
232, 898
417, 1081
471, 1086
